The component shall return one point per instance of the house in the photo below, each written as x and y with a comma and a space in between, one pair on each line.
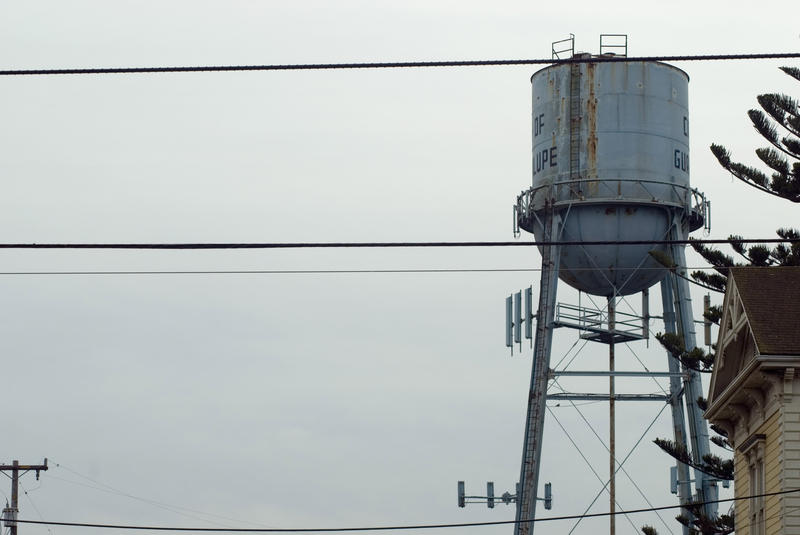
754, 395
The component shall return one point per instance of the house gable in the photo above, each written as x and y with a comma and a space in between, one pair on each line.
736, 346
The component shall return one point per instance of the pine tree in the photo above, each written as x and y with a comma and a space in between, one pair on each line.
778, 122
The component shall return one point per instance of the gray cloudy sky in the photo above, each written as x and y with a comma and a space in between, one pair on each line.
312, 400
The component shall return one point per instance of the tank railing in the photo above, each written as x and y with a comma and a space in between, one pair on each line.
531, 200
614, 43
560, 44
591, 319
702, 206
579, 316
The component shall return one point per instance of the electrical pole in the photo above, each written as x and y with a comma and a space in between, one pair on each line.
612, 492
10, 513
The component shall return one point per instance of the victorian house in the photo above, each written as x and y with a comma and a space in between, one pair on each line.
755, 395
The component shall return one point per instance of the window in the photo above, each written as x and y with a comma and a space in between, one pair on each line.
757, 523
753, 449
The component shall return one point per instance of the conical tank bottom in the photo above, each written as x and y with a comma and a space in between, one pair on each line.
611, 268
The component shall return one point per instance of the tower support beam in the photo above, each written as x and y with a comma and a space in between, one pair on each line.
705, 486
676, 393
537, 393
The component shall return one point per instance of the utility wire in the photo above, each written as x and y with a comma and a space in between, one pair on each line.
587, 461
616, 461
630, 452
166, 507
368, 245
398, 527
27, 495
102, 487
392, 64
324, 271
636, 356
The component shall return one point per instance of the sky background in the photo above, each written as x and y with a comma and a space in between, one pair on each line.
315, 400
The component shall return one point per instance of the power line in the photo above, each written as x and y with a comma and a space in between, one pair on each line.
27, 495
316, 271
102, 487
391, 65
587, 461
333, 271
374, 245
398, 527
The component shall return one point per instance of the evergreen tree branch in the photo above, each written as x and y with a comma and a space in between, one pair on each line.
738, 246
792, 144
781, 108
774, 161
794, 72
768, 131
722, 443
712, 281
716, 468
713, 314
718, 430
716, 258
696, 359
759, 255
700, 523
665, 260
784, 186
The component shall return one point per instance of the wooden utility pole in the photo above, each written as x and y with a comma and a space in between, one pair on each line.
10, 512
612, 439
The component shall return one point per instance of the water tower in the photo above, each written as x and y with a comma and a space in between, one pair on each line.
611, 164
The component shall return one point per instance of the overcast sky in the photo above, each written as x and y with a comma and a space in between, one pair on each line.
318, 399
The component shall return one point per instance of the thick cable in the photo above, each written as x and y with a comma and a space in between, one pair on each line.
399, 527
315, 271
392, 64
372, 245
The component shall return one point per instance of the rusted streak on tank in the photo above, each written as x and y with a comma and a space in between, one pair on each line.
591, 122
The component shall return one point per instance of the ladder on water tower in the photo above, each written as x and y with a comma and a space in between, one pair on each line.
537, 394
575, 127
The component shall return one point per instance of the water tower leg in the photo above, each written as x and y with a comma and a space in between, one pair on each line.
675, 393
537, 394
693, 388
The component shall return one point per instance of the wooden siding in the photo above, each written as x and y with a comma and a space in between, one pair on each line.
773, 477
741, 488
791, 465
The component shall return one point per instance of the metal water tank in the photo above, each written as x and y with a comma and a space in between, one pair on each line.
611, 159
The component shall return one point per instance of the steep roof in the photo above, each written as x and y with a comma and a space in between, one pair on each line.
771, 298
